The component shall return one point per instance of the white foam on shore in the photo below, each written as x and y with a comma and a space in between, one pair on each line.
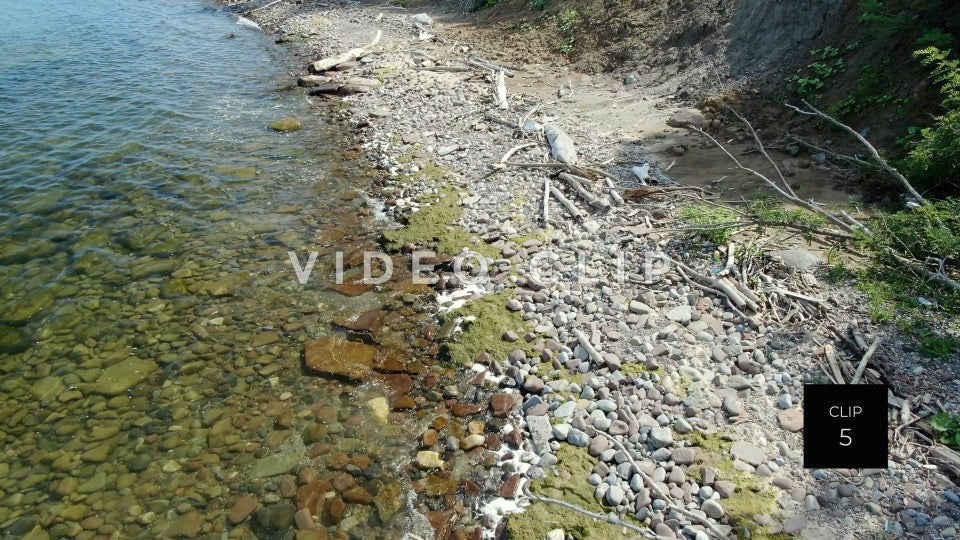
449, 301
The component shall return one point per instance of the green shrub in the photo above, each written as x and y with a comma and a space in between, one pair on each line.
948, 427
934, 152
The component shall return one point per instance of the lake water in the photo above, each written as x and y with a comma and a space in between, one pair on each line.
151, 329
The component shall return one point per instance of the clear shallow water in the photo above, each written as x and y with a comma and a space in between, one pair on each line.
151, 330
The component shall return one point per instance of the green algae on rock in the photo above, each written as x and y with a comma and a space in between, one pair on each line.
486, 320
436, 223
124, 375
287, 123
754, 495
569, 483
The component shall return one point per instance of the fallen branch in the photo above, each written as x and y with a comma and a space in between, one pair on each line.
565, 202
635, 194
785, 191
863, 362
263, 6
587, 346
577, 186
331, 62
870, 148
443, 68
488, 66
514, 150
546, 201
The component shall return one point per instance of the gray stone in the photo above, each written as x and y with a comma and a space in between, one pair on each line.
274, 465
578, 438
712, 509
540, 433
661, 437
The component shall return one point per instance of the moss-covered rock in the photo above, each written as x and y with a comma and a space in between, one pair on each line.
486, 320
754, 495
568, 484
436, 224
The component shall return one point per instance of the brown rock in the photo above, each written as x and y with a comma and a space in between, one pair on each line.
791, 420
304, 520
368, 322
187, 525
398, 383
403, 403
358, 495
333, 511
502, 404
442, 522
343, 482
338, 461
439, 484
466, 409
354, 287
334, 355
511, 488
310, 495
242, 508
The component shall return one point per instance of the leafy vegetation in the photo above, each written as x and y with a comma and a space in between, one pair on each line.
709, 218
934, 152
808, 81
948, 427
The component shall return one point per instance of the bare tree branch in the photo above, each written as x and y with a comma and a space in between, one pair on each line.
873, 151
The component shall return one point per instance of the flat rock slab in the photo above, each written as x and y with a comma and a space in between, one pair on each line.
798, 259
334, 355
791, 420
540, 433
274, 465
124, 375
747, 453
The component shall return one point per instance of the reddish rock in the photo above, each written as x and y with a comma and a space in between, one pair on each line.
493, 442
343, 482
502, 404
357, 495
466, 409
242, 508
398, 383
361, 462
288, 486
514, 438
337, 461
368, 322
429, 437
442, 522
333, 511
310, 495
403, 403
354, 287
334, 355
511, 488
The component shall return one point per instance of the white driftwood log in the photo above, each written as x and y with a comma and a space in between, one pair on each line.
565, 202
577, 185
500, 91
331, 62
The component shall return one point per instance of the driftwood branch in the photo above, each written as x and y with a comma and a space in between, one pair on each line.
813, 111
331, 62
577, 185
500, 91
565, 202
785, 191
863, 362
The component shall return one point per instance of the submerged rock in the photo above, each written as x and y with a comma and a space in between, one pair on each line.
287, 123
334, 355
124, 375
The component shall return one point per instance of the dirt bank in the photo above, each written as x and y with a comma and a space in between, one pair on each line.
653, 399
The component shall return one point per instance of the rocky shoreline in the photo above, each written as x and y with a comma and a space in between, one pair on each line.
581, 380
